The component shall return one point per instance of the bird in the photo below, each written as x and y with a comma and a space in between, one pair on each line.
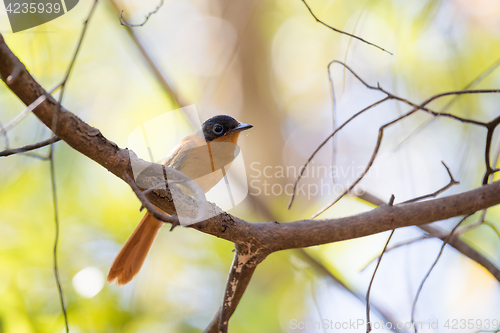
199, 156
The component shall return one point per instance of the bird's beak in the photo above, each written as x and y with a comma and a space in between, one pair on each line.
242, 127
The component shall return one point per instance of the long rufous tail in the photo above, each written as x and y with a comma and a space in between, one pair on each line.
132, 255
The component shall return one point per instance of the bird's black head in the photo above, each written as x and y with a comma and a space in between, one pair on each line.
218, 126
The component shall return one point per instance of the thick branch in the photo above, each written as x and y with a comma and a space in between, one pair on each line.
241, 272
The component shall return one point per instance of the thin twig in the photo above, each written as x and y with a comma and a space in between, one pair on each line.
334, 117
52, 165
368, 325
430, 270
56, 242
343, 32
26, 148
441, 190
492, 172
146, 19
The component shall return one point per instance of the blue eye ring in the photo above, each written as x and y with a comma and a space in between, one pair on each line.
218, 129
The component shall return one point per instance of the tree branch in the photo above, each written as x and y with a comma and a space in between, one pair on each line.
446, 240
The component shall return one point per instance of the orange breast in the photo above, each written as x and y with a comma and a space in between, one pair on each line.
205, 162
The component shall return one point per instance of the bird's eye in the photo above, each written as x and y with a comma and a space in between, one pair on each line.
218, 129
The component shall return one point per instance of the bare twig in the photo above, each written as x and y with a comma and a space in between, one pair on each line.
463, 248
334, 117
343, 32
441, 190
56, 243
146, 19
430, 270
26, 148
52, 164
491, 177
368, 325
